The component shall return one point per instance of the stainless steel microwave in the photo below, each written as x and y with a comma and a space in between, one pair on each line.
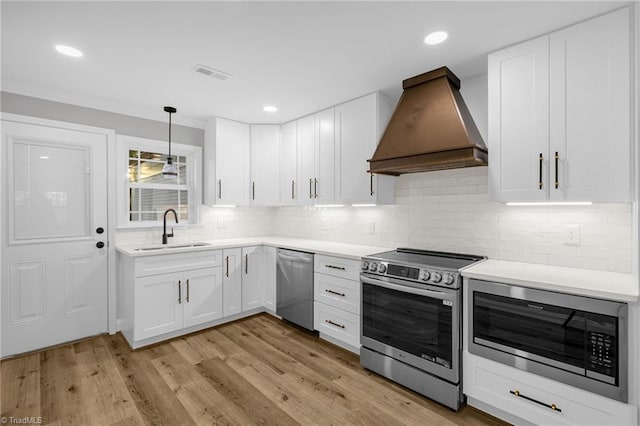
580, 341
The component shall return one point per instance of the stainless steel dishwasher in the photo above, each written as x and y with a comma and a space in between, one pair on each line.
295, 287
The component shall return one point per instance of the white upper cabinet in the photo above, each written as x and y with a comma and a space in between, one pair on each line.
359, 125
227, 162
324, 185
264, 188
559, 115
289, 185
306, 159
589, 110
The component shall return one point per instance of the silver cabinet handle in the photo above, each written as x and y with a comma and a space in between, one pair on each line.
253, 190
187, 291
335, 267
334, 323
553, 407
315, 188
179, 291
334, 292
371, 185
220, 189
227, 260
310, 188
293, 189
246, 263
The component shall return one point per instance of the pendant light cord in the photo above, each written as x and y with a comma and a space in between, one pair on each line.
170, 135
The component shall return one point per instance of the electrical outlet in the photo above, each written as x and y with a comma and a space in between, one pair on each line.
220, 223
372, 227
325, 225
572, 235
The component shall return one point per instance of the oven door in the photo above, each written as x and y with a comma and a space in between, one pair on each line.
418, 325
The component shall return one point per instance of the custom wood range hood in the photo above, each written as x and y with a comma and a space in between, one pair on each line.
430, 129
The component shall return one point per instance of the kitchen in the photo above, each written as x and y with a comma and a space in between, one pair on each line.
448, 210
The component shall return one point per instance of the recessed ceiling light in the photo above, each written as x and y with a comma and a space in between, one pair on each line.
68, 51
436, 37
270, 108
44, 157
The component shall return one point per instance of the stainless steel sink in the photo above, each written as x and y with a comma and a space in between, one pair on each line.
172, 247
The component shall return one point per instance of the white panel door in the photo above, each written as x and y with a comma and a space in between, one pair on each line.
289, 184
590, 98
202, 296
158, 306
54, 282
356, 140
265, 144
325, 186
306, 159
269, 272
232, 162
232, 282
519, 122
252, 278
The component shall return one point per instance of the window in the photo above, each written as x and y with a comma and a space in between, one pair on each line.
145, 194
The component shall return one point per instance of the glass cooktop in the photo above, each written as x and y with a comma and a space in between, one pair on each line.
434, 259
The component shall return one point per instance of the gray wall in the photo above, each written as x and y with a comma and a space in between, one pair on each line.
122, 124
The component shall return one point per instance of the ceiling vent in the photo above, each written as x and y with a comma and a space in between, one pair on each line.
211, 72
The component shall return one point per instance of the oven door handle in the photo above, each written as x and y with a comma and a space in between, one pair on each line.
407, 289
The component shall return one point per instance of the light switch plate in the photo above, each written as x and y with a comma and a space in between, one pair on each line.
572, 235
371, 227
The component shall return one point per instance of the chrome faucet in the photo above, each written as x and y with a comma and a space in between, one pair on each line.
164, 225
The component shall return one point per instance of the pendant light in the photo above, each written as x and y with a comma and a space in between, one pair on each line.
170, 169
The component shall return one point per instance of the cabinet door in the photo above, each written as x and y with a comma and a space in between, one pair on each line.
269, 277
252, 282
590, 100
158, 305
232, 162
325, 180
265, 142
289, 184
306, 159
232, 282
202, 296
519, 122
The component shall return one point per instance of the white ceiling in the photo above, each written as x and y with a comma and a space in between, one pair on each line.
300, 56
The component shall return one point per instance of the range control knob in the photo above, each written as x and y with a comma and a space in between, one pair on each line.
382, 268
425, 275
448, 279
373, 267
365, 265
437, 277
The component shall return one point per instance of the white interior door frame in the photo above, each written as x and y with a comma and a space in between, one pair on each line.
111, 198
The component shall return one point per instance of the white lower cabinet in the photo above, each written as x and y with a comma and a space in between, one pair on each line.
336, 307
202, 296
269, 273
232, 281
521, 397
252, 278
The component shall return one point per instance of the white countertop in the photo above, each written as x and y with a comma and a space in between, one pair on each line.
330, 248
601, 284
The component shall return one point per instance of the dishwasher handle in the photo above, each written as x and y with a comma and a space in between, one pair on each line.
305, 259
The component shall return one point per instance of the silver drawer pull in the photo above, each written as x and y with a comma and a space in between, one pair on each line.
335, 267
334, 323
553, 407
335, 292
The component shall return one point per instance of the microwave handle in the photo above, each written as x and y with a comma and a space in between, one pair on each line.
406, 289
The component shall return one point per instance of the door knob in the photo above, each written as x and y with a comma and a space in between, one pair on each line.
99, 244
99, 230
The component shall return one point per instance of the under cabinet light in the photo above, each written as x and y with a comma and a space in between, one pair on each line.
224, 206
68, 51
329, 205
549, 203
363, 205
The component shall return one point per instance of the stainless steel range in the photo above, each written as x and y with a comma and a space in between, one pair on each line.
411, 320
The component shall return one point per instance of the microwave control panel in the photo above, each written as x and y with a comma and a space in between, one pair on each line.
601, 353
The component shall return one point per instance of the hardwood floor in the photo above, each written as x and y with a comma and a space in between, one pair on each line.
258, 370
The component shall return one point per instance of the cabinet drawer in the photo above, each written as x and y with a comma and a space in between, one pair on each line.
339, 324
338, 267
167, 263
515, 391
337, 292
